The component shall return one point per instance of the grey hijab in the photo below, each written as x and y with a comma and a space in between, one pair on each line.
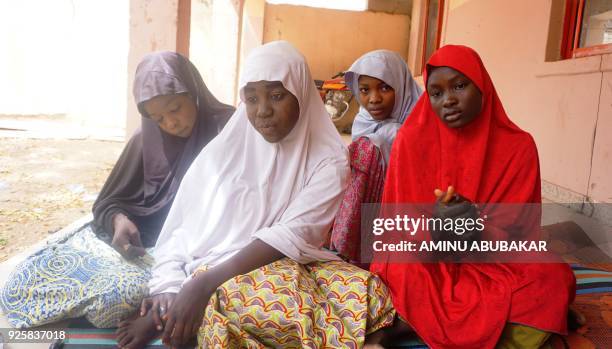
147, 175
389, 67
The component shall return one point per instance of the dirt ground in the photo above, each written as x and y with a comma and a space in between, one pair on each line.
45, 184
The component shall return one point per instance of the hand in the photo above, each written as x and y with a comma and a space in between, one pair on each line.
126, 237
186, 314
454, 206
158, 305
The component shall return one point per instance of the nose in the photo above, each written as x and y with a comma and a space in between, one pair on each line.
449, 100
263, 109
170, 123
374, 97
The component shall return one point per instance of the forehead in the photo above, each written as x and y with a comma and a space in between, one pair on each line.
369, 80
262, 85
159, 103
440, 75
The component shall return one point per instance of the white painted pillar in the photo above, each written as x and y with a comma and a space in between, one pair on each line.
215, 45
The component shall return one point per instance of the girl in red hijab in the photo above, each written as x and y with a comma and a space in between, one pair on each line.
459, 135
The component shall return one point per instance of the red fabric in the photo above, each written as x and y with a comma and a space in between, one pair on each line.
490, 160
365, 186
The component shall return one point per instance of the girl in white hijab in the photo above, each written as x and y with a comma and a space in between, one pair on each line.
245, 232
386, 93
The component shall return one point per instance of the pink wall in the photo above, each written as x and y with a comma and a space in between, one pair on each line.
565, 105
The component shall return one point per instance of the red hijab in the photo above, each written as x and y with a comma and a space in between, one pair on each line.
490, 160
484, 160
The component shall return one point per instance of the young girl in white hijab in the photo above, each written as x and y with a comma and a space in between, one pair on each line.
245, 233
386, 93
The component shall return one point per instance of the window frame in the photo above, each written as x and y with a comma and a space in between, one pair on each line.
439, 24
572, 25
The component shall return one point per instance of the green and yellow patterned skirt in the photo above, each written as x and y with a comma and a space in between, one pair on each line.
289, 305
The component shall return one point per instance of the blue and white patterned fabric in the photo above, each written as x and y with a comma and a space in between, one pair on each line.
81, 276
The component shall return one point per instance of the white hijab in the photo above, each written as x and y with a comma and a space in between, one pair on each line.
241, 188
389, 67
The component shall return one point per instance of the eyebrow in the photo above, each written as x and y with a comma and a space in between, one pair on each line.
165, 106
269, 86
456, 75
274, 84
171, 100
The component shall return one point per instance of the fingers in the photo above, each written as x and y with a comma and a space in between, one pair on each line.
181, 332
445, 197
119, 242
177, 334
135, 238
145, 305
170, 300
155, 311
168, 329
449, 194
194, 329
134, 251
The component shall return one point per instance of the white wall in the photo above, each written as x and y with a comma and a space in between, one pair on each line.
65, 57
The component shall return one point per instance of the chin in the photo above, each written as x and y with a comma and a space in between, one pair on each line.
381, 118
271, 139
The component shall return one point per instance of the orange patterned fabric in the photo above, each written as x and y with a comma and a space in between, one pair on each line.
290, 305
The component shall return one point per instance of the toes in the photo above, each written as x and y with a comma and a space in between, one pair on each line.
134, 343
121, 330
125, 339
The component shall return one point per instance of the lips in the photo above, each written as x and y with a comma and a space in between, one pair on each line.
266, 128
453, 115
376, 112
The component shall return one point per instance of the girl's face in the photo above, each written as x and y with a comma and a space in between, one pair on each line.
174, 114
454, 98
376, 97
272, 110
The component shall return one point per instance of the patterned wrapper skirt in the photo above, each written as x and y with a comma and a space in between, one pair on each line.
82, 276
365, 186
288, 305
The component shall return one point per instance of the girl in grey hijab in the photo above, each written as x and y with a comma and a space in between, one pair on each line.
391, 70
386, 93
179, 117
83, 277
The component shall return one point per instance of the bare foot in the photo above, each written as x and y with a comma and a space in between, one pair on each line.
373, 346
575, 319
137, 332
